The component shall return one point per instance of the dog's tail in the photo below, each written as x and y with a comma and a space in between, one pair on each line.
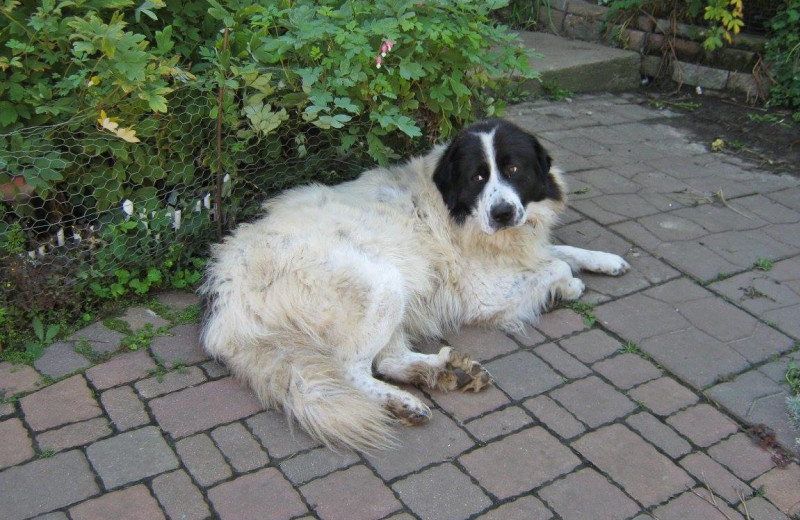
312, 391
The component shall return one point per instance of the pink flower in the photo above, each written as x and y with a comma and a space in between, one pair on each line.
378, 61
389, 45
384, 48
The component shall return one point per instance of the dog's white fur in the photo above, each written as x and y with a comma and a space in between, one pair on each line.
334, 283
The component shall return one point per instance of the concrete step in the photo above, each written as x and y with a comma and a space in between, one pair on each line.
581, 66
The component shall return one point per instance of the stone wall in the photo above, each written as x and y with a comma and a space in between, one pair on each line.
730, 68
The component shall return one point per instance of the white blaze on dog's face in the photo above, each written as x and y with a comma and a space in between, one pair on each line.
498, 175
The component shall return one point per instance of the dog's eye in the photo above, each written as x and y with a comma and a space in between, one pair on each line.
511, 169
481, 175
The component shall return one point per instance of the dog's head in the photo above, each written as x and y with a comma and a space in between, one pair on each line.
498, 174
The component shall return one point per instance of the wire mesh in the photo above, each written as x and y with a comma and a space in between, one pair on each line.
85, 213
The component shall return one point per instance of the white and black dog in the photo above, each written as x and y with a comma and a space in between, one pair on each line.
316, 304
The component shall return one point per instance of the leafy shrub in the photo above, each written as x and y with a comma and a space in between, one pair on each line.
139, 132
783, 56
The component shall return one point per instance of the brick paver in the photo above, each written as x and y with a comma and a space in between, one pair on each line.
240, 448
203, 460
65, 402
179, 497
264, 494
121, 369
574, 428
646, 475
131, 456
702, 424
16, 446
124, 408
351, 494
593, 401
441, 493
519, 462
587, 494
59, 481
133, 503
73, 435
201, 407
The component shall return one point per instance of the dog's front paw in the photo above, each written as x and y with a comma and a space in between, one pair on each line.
610, 264
410, 413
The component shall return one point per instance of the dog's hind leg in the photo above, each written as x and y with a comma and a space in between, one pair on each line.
407, 408
447, 370
592, 261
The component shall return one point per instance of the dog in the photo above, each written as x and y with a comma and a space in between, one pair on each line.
316, 304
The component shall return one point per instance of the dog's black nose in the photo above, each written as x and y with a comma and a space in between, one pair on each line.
502, 213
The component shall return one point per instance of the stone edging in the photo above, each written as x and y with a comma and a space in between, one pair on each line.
730, 68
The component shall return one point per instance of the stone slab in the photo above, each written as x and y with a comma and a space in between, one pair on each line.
131, 456
265, 495
65, 402
441, 493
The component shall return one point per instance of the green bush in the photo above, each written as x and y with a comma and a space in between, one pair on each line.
124, 122
783, 56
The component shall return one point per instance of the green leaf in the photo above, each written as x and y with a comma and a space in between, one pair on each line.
38, 328
411, 70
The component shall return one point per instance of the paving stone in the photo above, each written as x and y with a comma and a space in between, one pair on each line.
178, 300
593, 401
695, 357
645, 474
73, 435
203, 460
172, 381
523, 508
562, 362
140, 317
133, 503
58, 515
664, 396
441, 493
6, 409
121, 369
561, 322
746, 459
760, 509
661, 435
627, 370
689, 506
780, 487
350, 494
131, 456
315, 463
215, 369
587, 494
65, 402
754, 398
241, 449
554, 416
60, 359
278, 436
481, 344
16, 446
124, 408
519, 463
498, 423
523, 375
59, 481
722, 482
703, 424
436, 441
15, 379
102, 339
183, 347
201, 407
529, 336
591, 346
466, 405
179, 497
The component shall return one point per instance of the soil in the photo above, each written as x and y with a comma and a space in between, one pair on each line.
768, 136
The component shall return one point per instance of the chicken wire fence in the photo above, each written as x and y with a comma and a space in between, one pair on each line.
92, 208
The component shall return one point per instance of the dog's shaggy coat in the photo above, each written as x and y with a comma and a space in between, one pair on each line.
316, 304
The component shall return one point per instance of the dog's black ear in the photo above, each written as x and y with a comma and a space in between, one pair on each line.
444, 176
552, 188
